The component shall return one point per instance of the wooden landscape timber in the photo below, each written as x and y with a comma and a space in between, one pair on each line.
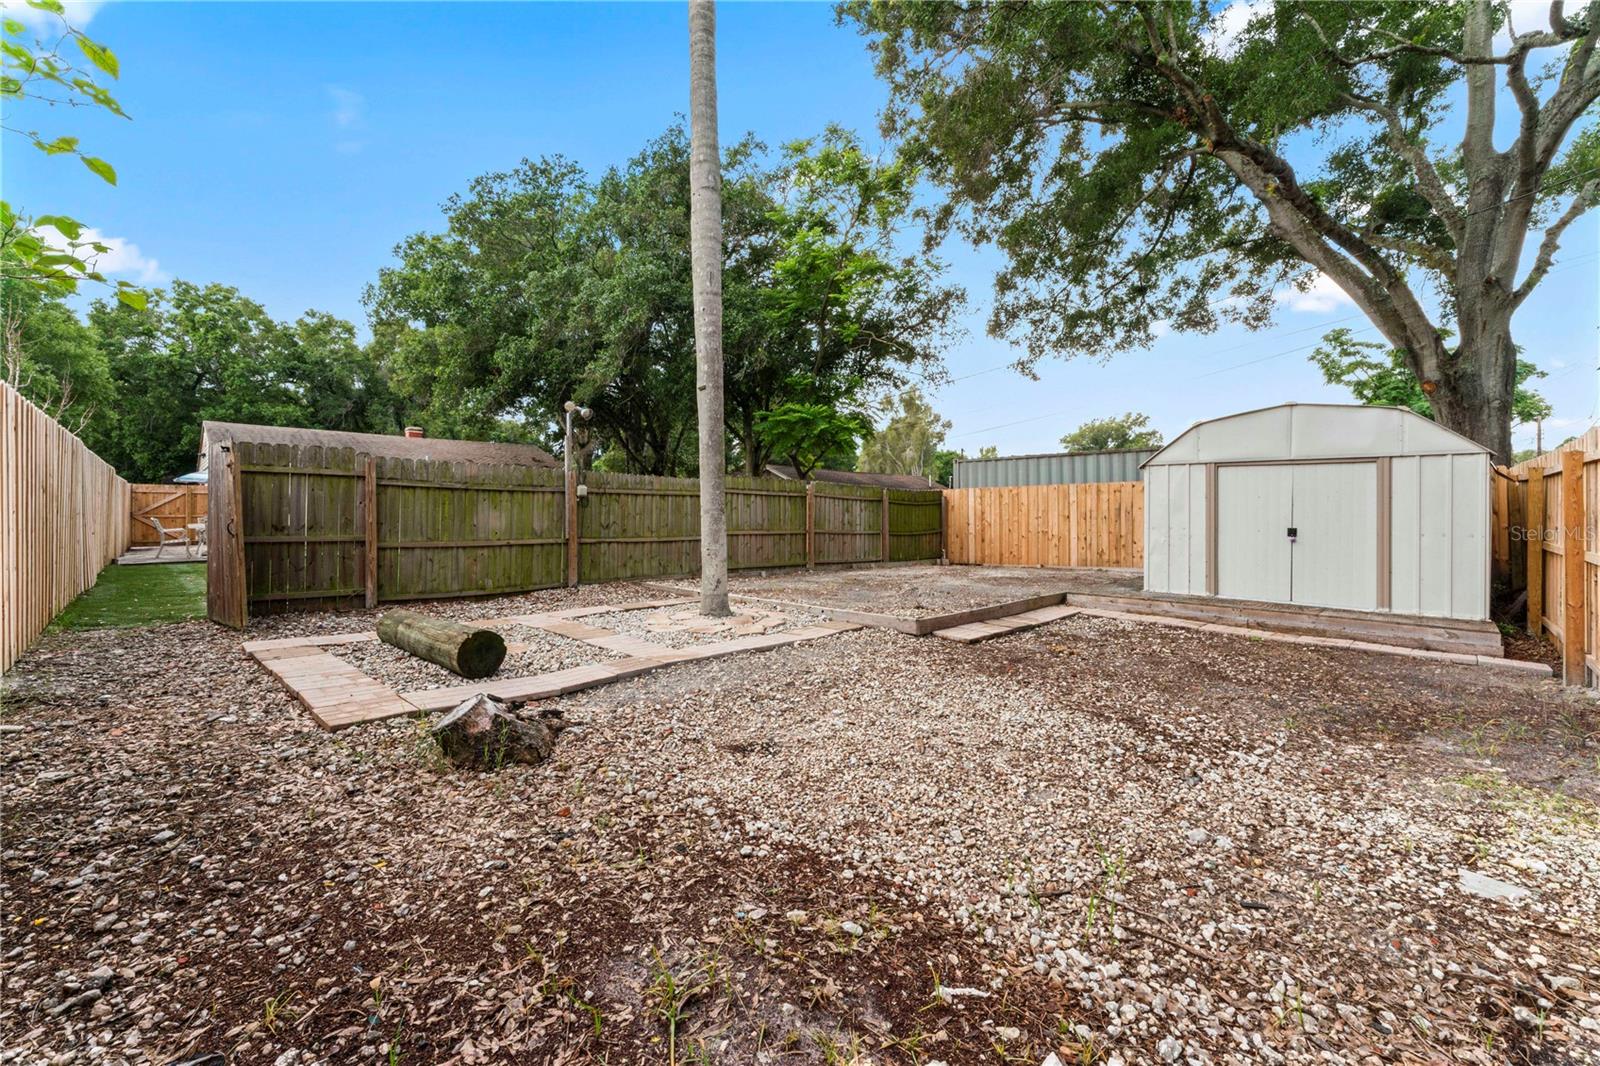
338, 695
461, 649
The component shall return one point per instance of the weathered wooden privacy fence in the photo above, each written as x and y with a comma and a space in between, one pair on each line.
294, 526
1545, 542
174, 506
1047, 525
63, 516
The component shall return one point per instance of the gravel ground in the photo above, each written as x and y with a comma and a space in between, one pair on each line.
1119, 842
540, 653
661, 625
917, 591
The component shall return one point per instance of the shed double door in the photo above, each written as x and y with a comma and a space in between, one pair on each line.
1298, 533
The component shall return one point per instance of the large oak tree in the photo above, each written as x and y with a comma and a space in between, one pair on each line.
1133, 161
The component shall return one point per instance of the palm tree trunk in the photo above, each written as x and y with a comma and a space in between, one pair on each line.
705, 251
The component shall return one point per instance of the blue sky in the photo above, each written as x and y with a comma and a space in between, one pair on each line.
285, 148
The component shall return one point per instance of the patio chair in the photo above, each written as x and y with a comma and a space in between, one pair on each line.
164, 534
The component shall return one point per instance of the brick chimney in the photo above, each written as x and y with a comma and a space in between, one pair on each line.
415, 431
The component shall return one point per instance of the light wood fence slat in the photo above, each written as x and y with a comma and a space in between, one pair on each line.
1549, 517
1094, 524
176, 506
63, 517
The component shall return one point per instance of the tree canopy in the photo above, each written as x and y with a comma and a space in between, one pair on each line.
1171, 162
547, 285
1108, 434
136, 383
910, 440
1377, 374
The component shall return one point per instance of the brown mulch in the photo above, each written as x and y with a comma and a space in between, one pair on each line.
1096, 838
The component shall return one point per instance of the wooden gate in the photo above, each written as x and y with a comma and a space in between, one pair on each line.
175, 506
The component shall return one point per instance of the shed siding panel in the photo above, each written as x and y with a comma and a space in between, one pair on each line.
1469, 537
1178, 527
1156, 538
1404, 528
1198, 533
1435, 499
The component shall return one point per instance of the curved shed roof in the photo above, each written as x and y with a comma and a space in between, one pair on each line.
471, 451
1313, 431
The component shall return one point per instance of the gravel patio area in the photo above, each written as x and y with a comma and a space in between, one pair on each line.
1108, 841
918, 591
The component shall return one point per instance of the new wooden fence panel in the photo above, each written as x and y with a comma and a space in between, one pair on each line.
1562, 548
176, 506
1095, 524
63, 517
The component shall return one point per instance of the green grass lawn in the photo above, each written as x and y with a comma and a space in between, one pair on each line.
139, 595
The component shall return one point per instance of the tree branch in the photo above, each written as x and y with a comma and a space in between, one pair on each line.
1552, 239
1428, 181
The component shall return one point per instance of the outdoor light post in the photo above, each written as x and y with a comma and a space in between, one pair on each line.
585, 413
571, 408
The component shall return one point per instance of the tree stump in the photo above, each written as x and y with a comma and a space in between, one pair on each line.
481, 734
472, 653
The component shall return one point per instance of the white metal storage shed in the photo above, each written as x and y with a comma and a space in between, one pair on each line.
1328, 505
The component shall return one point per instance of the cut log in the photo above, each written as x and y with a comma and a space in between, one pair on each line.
472, 653
481, 734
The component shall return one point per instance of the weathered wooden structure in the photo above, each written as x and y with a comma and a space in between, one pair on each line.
63, 516
305, 525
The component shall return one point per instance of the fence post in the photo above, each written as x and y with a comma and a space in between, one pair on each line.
1533, 531
811, 525
1573, 545
369, 522
572, 528
883, 529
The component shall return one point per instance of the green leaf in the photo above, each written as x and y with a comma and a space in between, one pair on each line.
70, 228
53, 6
99, 55
13, 26
106, 172
59, 146
132, 297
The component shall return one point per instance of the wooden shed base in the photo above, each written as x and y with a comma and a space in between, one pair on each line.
338, 695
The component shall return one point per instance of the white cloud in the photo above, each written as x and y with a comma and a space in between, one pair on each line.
122, 257
1231, 21
349, 107
48, 26
1319, 297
